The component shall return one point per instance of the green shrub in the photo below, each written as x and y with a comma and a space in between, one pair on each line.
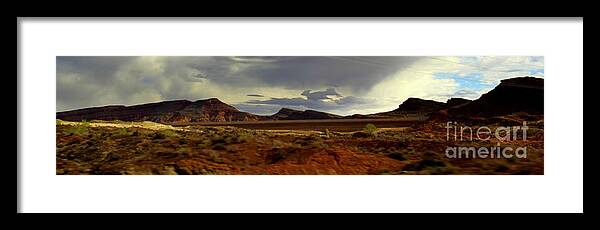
204, 144
370, 129
77, 130
122, 132
244, 137
169, 133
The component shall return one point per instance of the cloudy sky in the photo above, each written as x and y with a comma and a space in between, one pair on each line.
262, 85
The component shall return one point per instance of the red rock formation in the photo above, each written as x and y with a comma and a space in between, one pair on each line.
291, 114
521, 94
178, 111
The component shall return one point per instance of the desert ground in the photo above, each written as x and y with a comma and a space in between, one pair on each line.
342, 125
316, 147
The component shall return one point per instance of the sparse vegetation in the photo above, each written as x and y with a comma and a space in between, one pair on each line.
122, 132
104, 147
215, 157
80, 129
371, 130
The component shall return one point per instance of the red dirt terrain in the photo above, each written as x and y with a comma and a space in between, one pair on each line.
223, 150
228, 150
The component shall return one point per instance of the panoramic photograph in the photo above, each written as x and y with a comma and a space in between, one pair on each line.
299, 115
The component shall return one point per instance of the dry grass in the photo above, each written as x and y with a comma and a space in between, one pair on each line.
121, 124
115, 147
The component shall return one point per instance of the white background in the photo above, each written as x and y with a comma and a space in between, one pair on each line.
560, 189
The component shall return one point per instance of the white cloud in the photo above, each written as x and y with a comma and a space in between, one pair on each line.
404, 84
419, 80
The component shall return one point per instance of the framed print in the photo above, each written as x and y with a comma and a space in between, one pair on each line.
394, 115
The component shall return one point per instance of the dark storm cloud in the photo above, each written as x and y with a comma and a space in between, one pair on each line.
257, 59
356, 73
255, 95
352, 100
318, 100
92, 81
102, 68
297, 101
80, 78
320, 95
